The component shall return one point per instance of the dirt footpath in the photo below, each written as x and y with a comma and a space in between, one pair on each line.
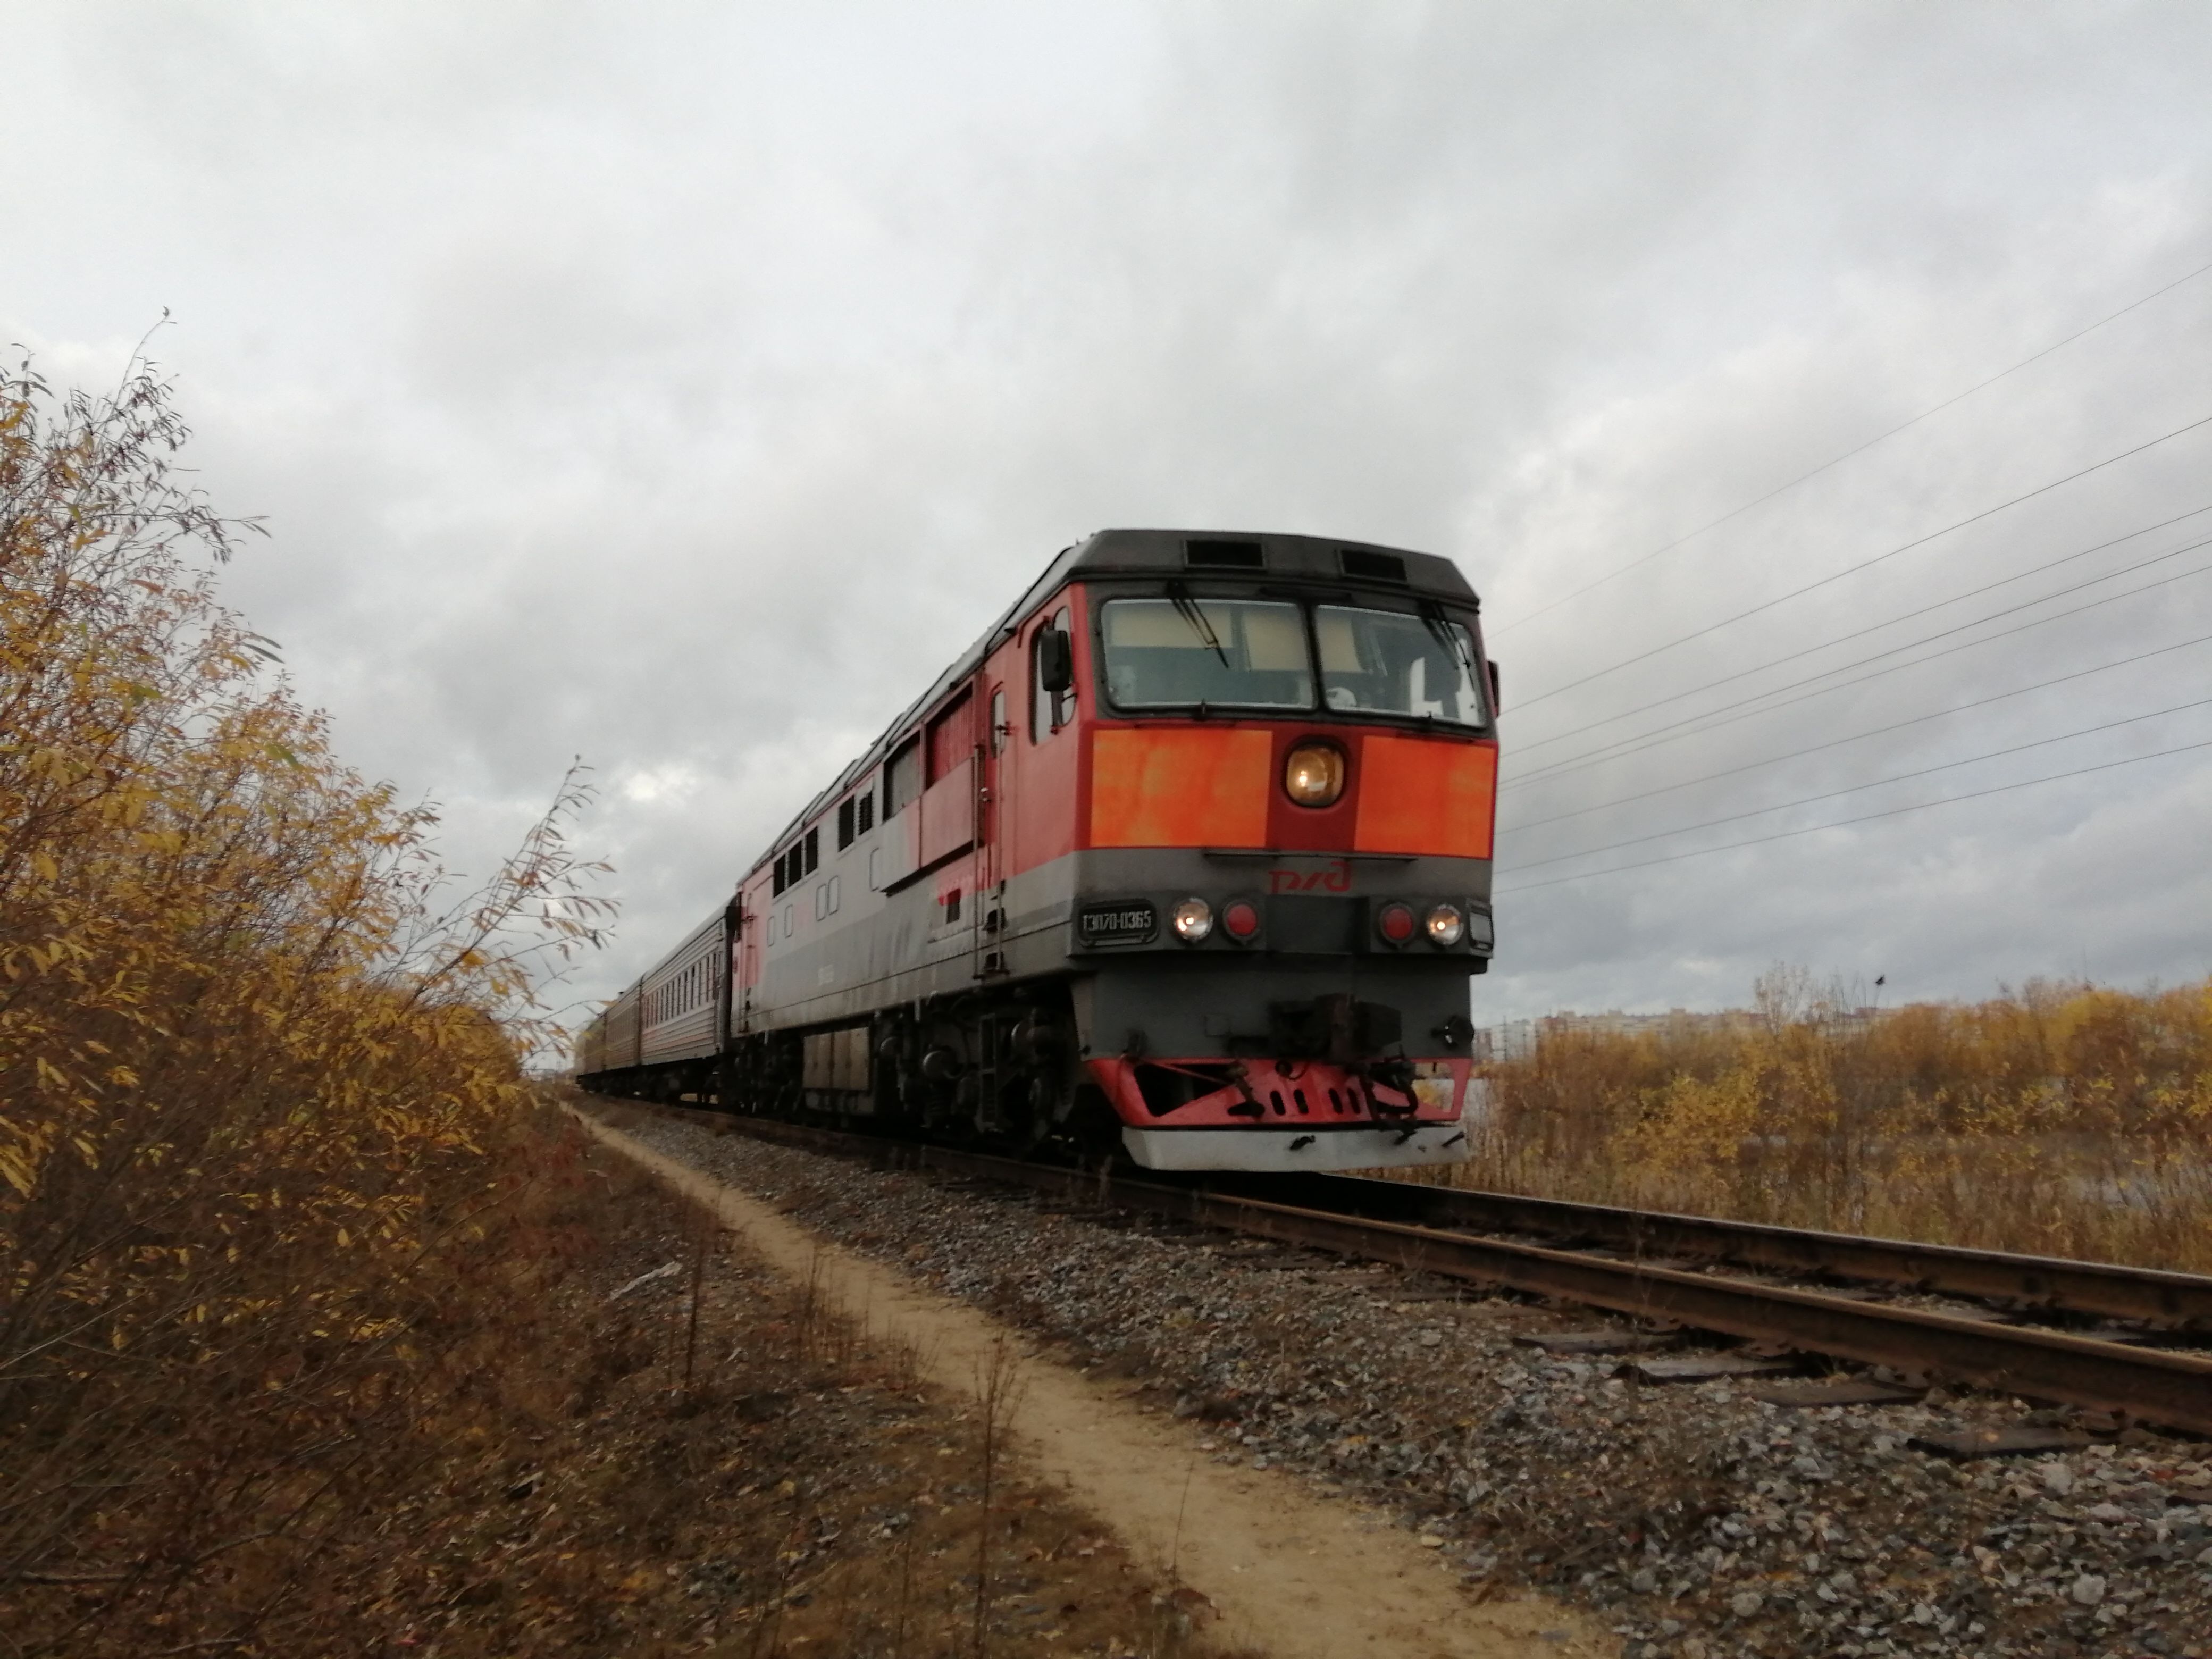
1299, 1577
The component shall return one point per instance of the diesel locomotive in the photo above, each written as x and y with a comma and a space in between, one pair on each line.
1187, 860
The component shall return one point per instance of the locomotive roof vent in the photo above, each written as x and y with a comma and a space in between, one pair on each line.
1229, 555
1371, 566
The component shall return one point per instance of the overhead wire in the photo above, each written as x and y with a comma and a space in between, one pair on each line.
1856, 737
1806, 477
1767, 701
1875, 783
1758, 702
1842, 823
1649, 704
1864, 564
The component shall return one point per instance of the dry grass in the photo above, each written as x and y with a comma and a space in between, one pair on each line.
2065, 1120
252, 1069
614, 1432
305, 1338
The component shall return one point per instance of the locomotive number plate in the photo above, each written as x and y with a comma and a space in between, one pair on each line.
1133, 922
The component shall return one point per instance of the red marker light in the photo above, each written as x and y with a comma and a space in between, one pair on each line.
1396, 923
1240, 919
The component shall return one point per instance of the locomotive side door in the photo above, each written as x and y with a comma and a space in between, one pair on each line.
744, 966
990, 835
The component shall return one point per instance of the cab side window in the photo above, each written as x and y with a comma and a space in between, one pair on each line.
1063, 712
1053, 645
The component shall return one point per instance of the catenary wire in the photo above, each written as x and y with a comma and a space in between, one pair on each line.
1758, 703
1864, 564
1876, 783
1833, 743
1829, 644
1843, 824
1806, 477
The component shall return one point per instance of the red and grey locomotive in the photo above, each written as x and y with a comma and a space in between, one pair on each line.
1188, 859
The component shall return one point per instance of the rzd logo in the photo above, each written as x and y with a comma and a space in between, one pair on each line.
1334, 876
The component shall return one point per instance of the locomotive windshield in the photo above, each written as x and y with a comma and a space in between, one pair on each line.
1228, 653
1384, 662
1179, 652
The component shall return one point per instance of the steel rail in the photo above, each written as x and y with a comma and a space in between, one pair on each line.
2149, 1384
2171, 1299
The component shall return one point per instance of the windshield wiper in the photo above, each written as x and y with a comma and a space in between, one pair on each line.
1453, 640
1187, 608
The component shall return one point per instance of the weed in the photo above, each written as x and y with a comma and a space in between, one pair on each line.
2066, 1119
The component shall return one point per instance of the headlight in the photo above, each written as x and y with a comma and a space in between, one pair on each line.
1447, 927
1194, 920
1394, 921
1313, 774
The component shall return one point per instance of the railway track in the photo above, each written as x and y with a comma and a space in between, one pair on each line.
1682, 1271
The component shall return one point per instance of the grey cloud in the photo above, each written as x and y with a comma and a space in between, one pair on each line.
683, 388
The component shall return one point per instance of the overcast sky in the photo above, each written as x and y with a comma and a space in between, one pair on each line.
682, 387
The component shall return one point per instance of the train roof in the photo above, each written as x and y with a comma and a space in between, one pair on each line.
1216, 553
1195, 554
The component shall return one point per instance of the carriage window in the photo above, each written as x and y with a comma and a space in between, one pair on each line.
1386, 662
998, 730
813, 849
1228, 653
846, 809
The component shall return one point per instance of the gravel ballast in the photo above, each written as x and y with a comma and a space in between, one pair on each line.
1697, 1521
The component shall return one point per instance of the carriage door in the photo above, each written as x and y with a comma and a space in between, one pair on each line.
991, 838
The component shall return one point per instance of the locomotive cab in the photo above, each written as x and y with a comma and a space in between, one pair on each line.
1286, 813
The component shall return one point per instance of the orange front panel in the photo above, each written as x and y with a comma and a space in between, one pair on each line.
1180, 786
1418, 795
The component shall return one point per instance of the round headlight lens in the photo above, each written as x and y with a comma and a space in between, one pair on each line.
1447, 927
1313, 774
1240, 919
1194, 920
1394, 921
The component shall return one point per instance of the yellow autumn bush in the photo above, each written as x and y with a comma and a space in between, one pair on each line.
2062, 1120
250, 1056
